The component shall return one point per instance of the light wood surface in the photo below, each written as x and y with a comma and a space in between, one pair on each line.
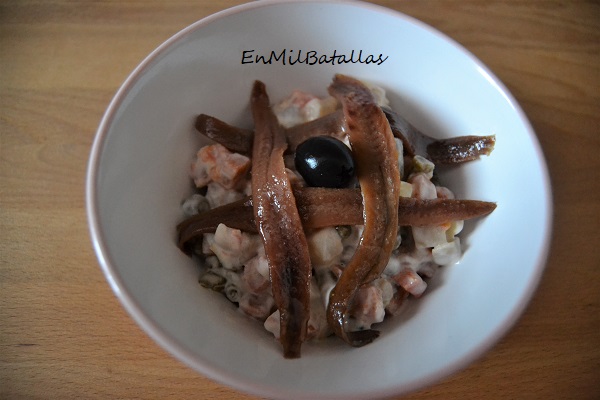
64, 335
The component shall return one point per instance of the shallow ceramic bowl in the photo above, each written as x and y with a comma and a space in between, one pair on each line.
137, 178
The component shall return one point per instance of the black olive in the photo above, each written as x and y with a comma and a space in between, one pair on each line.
324, 161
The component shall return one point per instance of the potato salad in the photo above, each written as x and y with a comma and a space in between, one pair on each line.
327, 215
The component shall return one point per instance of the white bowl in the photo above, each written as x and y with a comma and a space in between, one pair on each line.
137, 177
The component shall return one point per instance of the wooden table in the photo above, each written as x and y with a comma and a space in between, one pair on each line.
63, 334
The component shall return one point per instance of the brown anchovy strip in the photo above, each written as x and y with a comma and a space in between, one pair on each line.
417, 212
233, 138
412, 139
279, 225
377, 170
444, 151
331, 124
440, 151
240, 140
321, 207
317, 207
236, 215
460, 149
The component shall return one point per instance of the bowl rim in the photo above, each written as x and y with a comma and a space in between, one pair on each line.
175, 349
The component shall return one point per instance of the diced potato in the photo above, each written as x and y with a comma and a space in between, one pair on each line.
214, 163
410, 281
406, 189
233, 247
422, 188
325, 246
367, 308
217, 195
447, 253
317, 108
455, 228
429, 236
423, 165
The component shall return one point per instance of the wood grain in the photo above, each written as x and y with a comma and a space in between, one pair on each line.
63, 334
